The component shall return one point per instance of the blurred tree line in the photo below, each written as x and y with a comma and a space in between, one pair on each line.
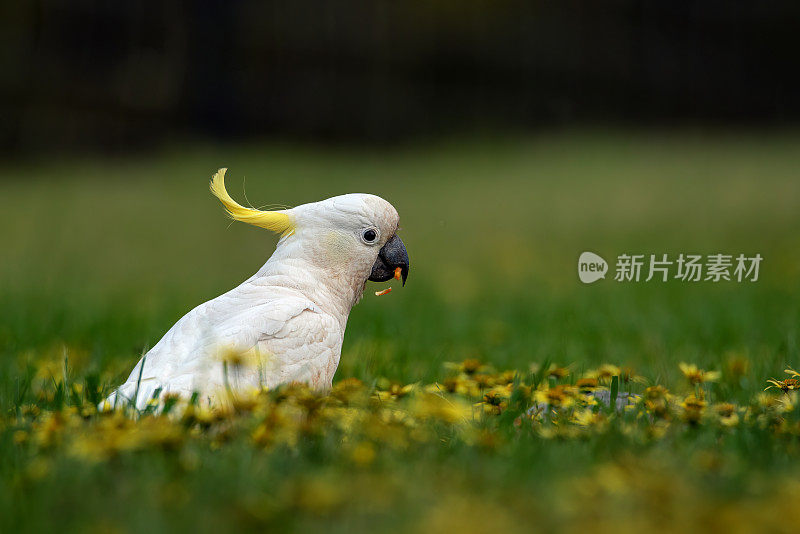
110, 74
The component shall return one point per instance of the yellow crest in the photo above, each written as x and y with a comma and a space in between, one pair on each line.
277, 221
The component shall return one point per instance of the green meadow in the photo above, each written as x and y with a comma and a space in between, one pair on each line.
101, 255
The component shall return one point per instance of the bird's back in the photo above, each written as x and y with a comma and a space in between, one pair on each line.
257, 334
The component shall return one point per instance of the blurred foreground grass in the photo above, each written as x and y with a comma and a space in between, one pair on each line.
101, 255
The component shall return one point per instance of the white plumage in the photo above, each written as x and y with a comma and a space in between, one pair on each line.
287, 321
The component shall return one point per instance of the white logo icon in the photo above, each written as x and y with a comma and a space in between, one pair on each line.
591, 267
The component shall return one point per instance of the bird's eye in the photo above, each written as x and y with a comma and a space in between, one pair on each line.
370, 235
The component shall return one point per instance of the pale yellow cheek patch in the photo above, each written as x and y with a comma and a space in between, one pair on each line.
337, 248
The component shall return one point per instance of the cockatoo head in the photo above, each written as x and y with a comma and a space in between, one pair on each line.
351, 237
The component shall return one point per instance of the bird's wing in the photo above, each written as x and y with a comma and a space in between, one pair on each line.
243, 320
306, 349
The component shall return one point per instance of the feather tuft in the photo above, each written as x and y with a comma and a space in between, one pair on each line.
277, 221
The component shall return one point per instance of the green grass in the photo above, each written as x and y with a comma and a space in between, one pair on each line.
100, 256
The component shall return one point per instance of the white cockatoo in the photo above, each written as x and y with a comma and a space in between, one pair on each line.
286, 322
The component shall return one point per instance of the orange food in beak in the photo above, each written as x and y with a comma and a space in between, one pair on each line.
397, 273
380, 293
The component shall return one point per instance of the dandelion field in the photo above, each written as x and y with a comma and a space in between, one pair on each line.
465, 401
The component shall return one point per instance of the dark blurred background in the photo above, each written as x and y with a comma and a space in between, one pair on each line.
91, 74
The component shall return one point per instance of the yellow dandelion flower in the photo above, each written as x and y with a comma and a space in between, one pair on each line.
236, 359
655, 392
604, 373
727, 414
484, 380
349, 390
497, 395
693, 409
787, 385
557, 372
557, 397
393, 390
506, 377
586, 385
790, 384
696, 375
656, 401
438, 407
589, 418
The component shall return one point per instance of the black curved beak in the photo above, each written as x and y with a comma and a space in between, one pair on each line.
391, 256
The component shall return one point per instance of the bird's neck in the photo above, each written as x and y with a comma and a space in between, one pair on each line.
335, 291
